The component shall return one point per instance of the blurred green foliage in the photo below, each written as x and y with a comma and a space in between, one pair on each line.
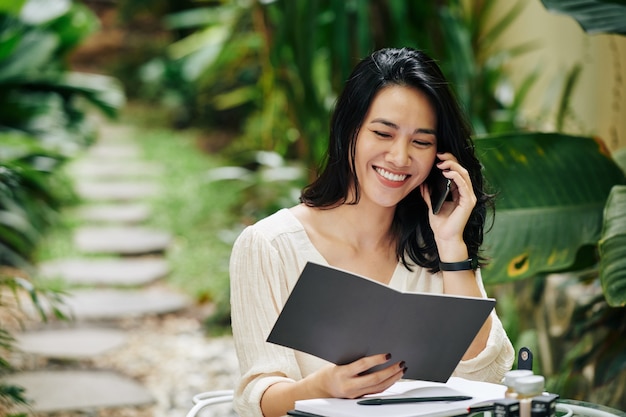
42, 114
273, 69
42, 123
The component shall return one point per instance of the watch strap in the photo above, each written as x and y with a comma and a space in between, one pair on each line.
466, 265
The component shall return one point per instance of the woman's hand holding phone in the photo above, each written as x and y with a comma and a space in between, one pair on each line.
439, 187
449, 222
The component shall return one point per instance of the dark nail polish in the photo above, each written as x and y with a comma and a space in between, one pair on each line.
388, 356
401, 364
404, 370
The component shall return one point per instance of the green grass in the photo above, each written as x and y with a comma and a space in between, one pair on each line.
195, 211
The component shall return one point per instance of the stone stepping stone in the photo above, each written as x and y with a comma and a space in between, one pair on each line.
115, 213
117, 191
109, 133
110, 304
75, 343
114, 272
111, 150
114, 169
75, 390
130, 240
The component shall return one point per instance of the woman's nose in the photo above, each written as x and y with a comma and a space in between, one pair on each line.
398, 153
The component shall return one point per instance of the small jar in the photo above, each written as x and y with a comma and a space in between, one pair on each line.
528, 387
510, 378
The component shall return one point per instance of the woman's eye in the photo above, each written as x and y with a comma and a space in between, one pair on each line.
422, 143
382, 134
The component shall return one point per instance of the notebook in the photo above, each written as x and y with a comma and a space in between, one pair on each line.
336, 407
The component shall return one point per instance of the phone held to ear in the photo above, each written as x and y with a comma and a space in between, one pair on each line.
439, 189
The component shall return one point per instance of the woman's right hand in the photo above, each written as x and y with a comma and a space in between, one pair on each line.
333, 381
352, 381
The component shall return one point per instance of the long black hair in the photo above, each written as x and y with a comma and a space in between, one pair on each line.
411, 68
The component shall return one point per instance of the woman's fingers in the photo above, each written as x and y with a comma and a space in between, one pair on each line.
363, 365
385, 378
461, 189
455, 171
362, 382
353, 380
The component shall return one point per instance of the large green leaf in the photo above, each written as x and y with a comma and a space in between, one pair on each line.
74, 26
613, 248
39, 12
594, 16
104, 92
34, 53
11, 6
552, 189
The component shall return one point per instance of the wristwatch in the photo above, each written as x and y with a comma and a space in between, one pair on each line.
466, 265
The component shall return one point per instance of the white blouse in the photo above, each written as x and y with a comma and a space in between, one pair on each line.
265, 264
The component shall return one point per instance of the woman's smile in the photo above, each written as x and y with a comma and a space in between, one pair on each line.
396, 180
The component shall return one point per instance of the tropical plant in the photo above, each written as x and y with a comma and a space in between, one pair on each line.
594, 16
560, 208
261, 63
43, 123
585, 346
42, 115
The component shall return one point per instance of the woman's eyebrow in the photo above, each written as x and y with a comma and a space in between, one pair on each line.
426, 131
395, 126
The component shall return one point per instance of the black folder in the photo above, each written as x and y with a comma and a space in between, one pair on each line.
341, 317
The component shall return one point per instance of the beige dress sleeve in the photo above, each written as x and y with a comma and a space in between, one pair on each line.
259, 286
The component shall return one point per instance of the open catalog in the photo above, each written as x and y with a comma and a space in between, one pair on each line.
341, 317
478, 392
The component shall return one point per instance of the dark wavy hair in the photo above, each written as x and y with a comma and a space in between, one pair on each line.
411, 68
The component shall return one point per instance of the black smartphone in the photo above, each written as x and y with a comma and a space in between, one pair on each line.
439, 189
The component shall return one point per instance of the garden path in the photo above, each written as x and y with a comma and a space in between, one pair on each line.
134, 346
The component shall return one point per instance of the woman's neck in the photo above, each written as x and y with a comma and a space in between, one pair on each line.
352, 238
365, 227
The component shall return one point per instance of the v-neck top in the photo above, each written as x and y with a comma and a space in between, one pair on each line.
266, 261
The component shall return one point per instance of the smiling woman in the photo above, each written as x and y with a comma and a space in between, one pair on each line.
369, 212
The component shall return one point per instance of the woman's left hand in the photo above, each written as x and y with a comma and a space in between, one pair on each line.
448, 225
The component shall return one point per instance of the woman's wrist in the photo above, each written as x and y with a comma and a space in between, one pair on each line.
310, 386
452, 251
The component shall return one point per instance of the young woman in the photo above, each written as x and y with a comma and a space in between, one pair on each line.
369, 212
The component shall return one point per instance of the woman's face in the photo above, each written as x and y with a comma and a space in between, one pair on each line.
396, 146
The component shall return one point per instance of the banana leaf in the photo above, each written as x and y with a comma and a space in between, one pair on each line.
594, 16
613, 248
551, 192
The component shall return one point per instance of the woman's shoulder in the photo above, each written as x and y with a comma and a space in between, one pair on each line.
274, 226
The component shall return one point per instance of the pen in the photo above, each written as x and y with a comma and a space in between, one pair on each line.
480, 408
382, 401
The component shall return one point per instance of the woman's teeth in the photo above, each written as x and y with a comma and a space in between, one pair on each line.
391, 177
